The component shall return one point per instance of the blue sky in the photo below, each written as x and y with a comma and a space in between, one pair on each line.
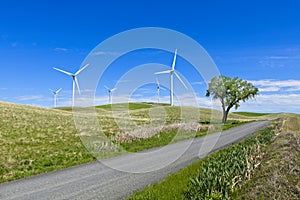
256, 40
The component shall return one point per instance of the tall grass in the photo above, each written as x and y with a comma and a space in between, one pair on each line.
279, 174
220, 174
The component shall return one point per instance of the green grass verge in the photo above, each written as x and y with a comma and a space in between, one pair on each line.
184, 184
251, 114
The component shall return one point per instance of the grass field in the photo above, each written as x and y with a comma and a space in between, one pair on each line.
35, 140
251, 114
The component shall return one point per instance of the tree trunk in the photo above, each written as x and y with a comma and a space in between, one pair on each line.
224, 119
225, 115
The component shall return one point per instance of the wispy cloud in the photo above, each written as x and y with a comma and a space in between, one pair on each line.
198, 83
59, 49
273, 103
271, 85
269, 89
13, 44
97, 53
278, 57
4, 37
31, 98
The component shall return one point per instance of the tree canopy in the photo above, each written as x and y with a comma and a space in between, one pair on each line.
230, 91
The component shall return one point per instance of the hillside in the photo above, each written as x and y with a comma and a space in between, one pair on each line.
35, 140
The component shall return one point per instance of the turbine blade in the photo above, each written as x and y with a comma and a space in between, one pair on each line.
174, 60
113, 89
68, 73
81, 69
106, 87
164, 72
180, 79
52, 91
76, 83
58, 90
157, 83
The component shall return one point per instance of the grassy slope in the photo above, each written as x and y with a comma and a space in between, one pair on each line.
36, 140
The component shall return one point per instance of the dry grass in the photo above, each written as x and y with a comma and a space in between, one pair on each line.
150, 131
292, 124
279, 175
35, 140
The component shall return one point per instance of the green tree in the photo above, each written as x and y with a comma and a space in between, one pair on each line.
230, 92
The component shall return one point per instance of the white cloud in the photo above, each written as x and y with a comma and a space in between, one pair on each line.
273, 103
97, 53
271, 85
61, 49
31, 98
278, 57
269, 89
198, 83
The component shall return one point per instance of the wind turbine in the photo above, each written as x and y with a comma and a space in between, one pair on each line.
55, 93
171, 72
75, 80
109, 93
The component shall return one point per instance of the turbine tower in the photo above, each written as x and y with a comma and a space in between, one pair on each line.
171, 72
75, 80
158, 90
110, 93
55, 93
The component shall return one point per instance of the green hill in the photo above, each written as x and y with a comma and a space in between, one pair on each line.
35, 140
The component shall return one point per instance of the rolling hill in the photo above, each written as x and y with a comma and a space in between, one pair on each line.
36, 140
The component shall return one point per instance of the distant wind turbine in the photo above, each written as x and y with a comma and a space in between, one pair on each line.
110, 93
75, 80
55, 93
158, 90
171, 72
